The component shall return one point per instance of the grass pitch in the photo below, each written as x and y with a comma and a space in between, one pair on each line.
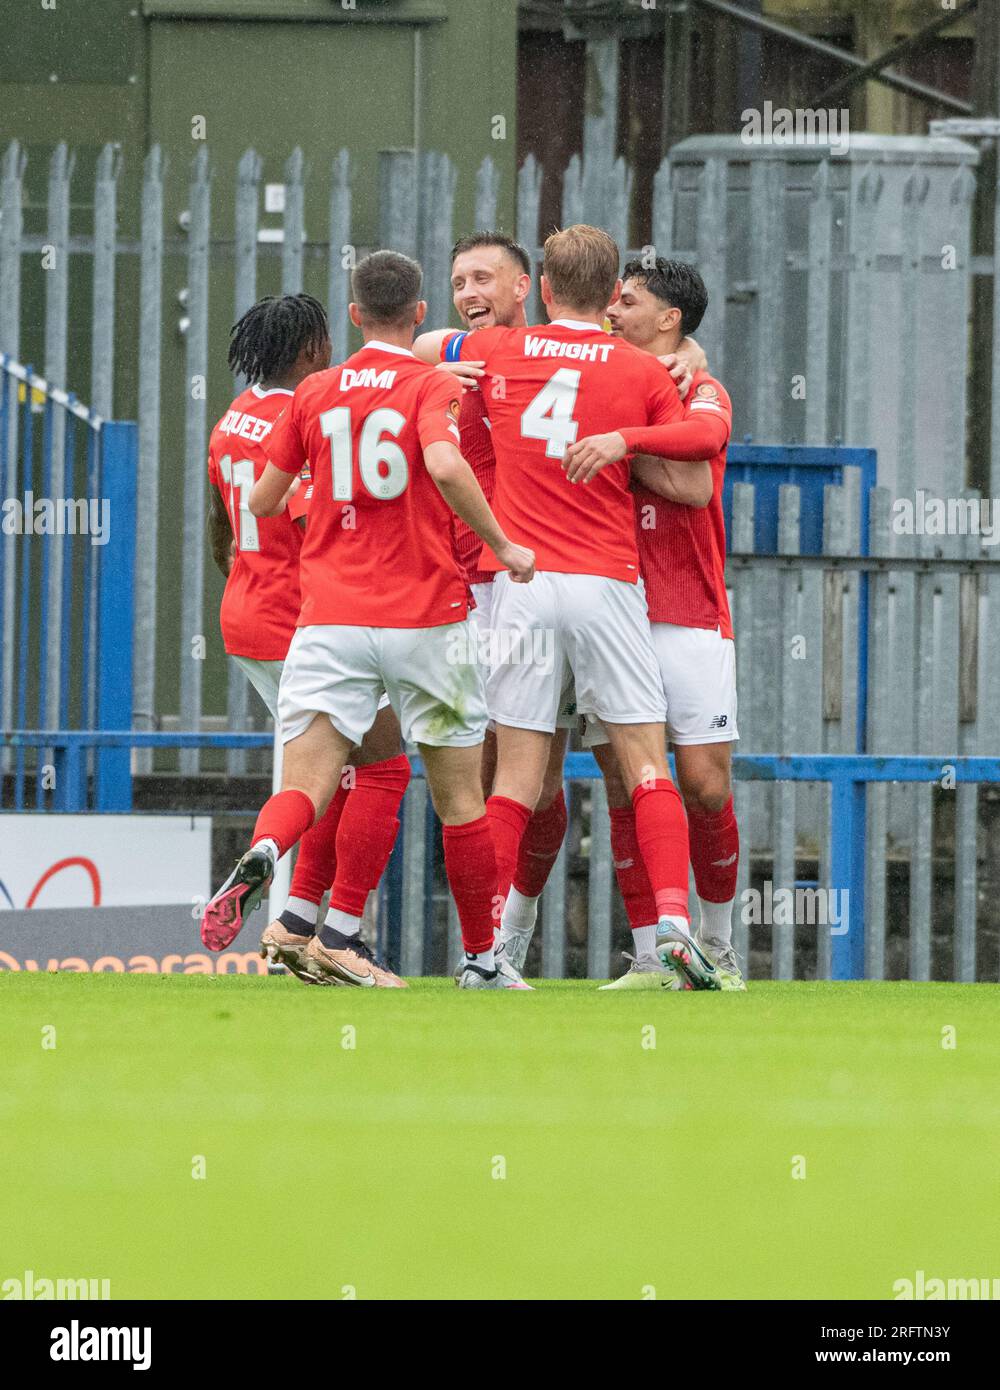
496, 1146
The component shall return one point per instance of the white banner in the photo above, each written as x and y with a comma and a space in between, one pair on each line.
103, 861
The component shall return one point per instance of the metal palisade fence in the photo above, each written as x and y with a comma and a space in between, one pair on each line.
840, 287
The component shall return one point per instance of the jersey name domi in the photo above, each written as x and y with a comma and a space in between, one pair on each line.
368, 377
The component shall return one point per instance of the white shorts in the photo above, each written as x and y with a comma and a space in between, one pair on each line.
481, 614
265, 677
698, 667
481, 618
569, 644
429, 674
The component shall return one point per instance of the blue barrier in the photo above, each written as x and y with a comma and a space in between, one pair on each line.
848, 777
805, 466
811, 469
74, 664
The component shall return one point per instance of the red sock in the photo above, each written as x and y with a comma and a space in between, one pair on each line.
539, 848
630, 871
284, 818
317, 859
662, 832
715, 853
368, 831
470, 863
508, 820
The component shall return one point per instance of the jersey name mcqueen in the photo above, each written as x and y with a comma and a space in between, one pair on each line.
246, 426
368, 377
550, 347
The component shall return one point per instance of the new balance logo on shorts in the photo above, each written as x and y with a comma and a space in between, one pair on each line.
719, 722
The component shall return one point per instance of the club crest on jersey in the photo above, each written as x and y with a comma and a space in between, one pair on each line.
706, 392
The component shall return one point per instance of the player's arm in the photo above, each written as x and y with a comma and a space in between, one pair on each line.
468, 373
429, 346
685, 441
220, 533
286, 458
455, 352
269, 494
457, 484
691, 484
682, 364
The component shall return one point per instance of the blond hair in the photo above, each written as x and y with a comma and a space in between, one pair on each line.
581, 267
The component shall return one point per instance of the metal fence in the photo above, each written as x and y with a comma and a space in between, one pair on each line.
826, 269
840, 293
67, 479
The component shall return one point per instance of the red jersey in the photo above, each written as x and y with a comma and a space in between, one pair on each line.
544, 388
682, 550
261, 599
377, 551
477, 450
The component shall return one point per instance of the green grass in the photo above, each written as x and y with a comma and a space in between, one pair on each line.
372, 1168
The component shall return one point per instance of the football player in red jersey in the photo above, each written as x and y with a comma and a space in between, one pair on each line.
490, 282
582, 627
384, 608
277, 344
682, 552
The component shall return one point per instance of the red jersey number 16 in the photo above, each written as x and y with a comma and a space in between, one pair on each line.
382, 464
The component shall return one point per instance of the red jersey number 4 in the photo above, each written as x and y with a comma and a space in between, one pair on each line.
549, 416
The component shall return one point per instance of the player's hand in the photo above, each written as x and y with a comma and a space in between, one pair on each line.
232, 555
680, 370
468, 373
518, 560
585, 459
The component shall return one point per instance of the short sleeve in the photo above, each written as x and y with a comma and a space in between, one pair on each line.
472, 347
298, 503
438, 411
285, 448
710, 397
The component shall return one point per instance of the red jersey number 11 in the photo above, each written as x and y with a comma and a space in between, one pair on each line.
239, 478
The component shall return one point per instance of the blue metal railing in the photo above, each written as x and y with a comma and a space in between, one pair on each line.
810, 468
848, 776
66, 591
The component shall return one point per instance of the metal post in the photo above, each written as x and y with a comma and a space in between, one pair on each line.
148, 495
248, 176
193, 553
119, 454
293, 224
847, 875
11, 189
341, 254
56, 330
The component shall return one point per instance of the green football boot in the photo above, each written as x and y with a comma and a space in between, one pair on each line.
645, 972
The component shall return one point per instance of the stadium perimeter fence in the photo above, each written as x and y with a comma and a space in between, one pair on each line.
827, 281
825, 620
840, 284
